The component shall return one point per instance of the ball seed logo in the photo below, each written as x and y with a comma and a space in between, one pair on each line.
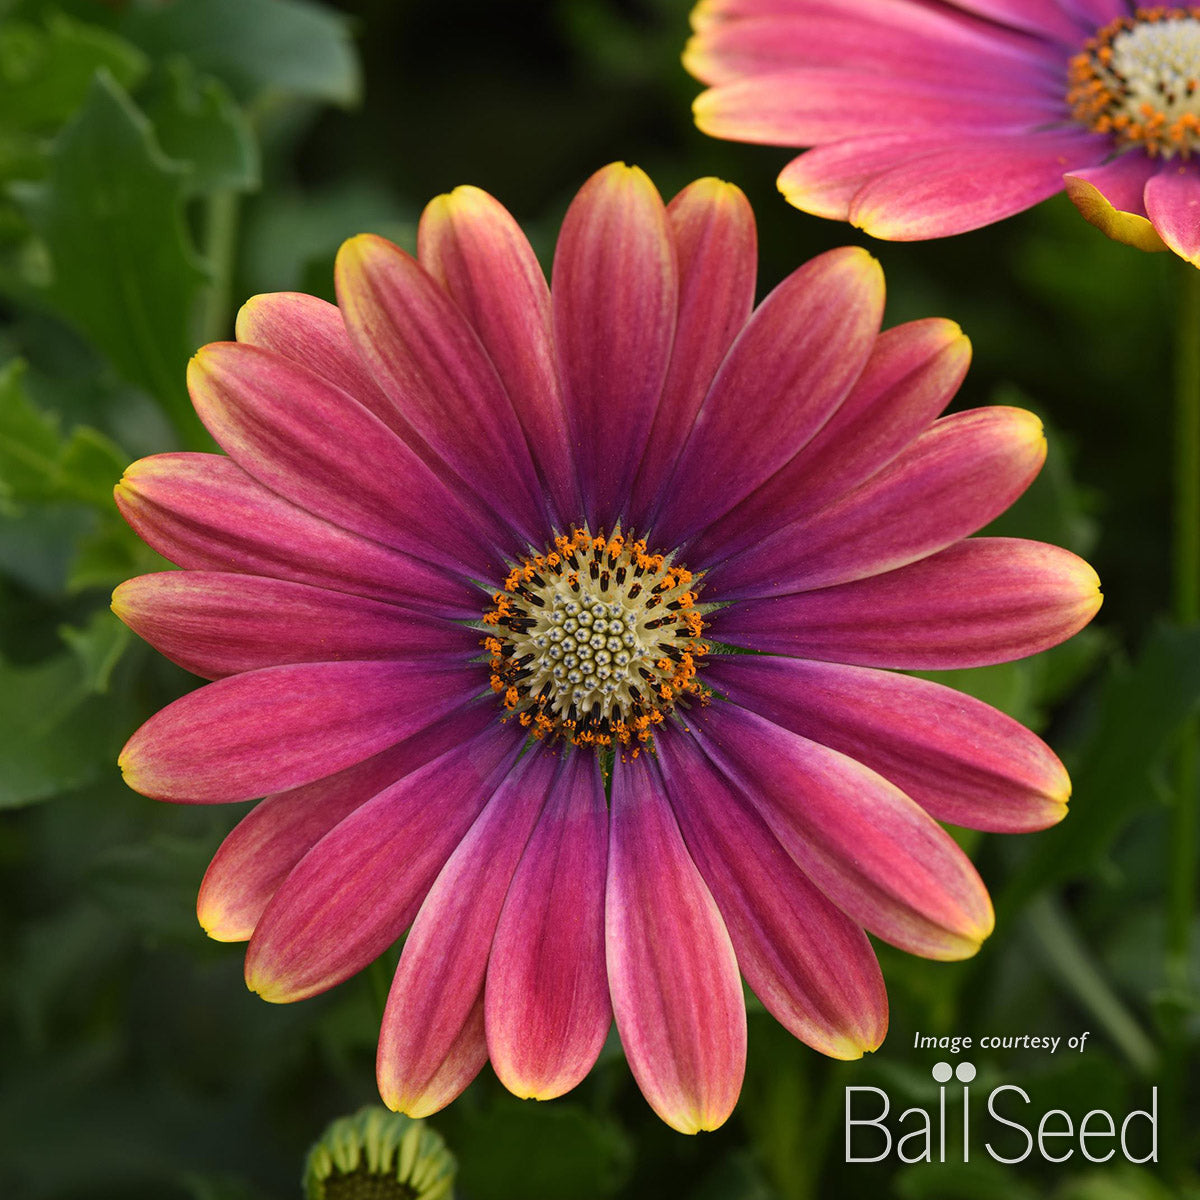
1008, 1122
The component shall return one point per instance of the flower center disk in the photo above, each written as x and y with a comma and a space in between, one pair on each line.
1138, 79
596, 640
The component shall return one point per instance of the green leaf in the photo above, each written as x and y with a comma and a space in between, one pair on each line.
198, 123
111, 216
292, 235
542, 1153
1141, 707
37, 463
45, 74
151, 885
256, 45
57, 734
98, 647
109, 554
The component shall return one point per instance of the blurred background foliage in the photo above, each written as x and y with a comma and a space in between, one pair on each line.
160, 162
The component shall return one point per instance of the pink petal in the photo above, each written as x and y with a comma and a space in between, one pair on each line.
356, 891
282, 727
807, 106
471, 245
546, 1001
266, 844
713, 228
439, 981
671, 966
862, 841
824, 181
971, 182
961, 760
909, 40
912, 374
216, 623
1111, 196
615, 300
313, 444
790, 368
965, 19
950, 482
204, 512
1173, 206
310, 332
984, 600
1097, 12
1062, 20
430, 363
809, 964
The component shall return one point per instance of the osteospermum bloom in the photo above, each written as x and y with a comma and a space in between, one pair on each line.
933, 119
468, 583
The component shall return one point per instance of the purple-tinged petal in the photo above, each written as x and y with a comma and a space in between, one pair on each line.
809, 964
951, 481
471, 245
437, 986
281, 727
546, 1003
263, 848
1062, 20
825, 181
912, 374
910, 41
878, 856
1098, 12
429, 361
1112, 197
313, 444
463, 1059
971, 182
672, 972
716, 244
310, 332
807, 106
982, 601
217, 623
961, 760
1173, 206
957, 20
203, 512
615, 290
356, 891
790, 368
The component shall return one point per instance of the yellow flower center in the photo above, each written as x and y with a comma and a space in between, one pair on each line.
1138, 79
595, 641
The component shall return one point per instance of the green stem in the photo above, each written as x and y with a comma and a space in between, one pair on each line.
220, 246
1183, 864
1066, 956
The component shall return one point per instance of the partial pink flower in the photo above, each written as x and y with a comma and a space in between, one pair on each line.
934, 119
553, 625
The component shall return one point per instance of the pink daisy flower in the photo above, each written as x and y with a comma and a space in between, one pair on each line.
936, 118
467, 583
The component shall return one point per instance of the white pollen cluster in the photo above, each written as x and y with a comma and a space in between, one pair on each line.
590, 650
1158, 63
595, 641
